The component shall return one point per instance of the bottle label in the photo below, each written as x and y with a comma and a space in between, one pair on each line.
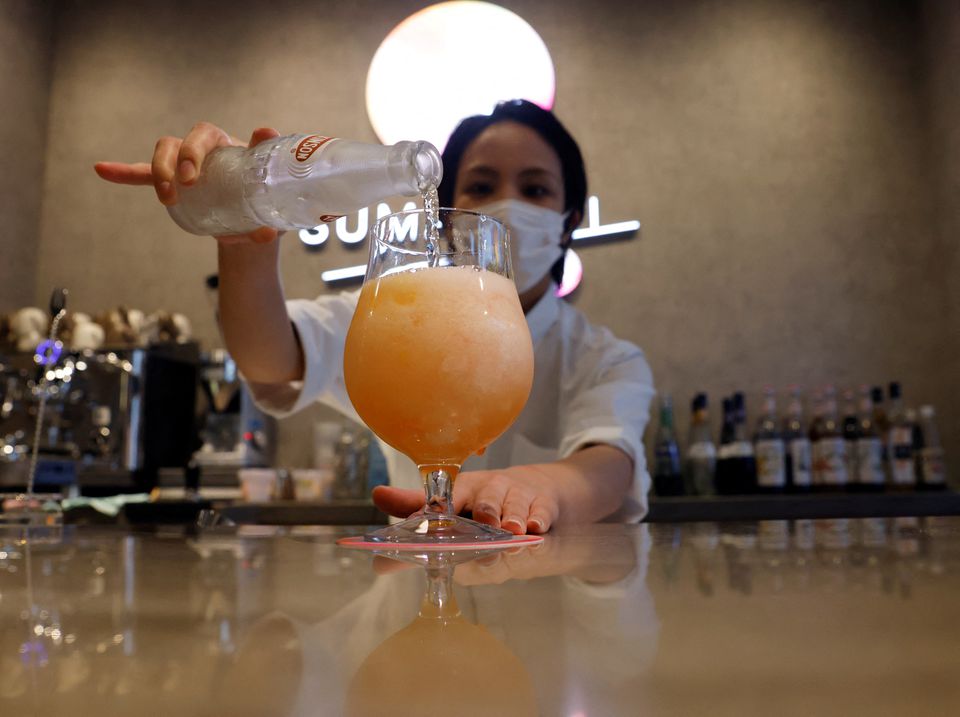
308, 145
703, 451
870, 461
771, 472
304, 155
901, 456
932, 465
667, 459
830, 461
801, 462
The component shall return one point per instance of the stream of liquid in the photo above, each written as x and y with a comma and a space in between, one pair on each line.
431, 206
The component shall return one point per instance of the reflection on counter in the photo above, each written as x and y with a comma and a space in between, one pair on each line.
428, 666
841, 616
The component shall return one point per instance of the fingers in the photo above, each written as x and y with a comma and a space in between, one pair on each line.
487, 499
516, 508
122, 173
163, 167
262, 133
506, 504
398, 502
263, 235
195, 147
541, 515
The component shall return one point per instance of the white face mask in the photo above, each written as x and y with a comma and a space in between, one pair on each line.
535, 235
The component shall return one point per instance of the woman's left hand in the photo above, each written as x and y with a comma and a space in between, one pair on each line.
521, 499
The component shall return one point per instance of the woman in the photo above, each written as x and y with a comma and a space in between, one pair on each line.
575, 453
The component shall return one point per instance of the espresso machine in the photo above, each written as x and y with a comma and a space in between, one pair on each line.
112, 417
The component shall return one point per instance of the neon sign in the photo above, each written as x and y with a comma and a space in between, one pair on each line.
319, 235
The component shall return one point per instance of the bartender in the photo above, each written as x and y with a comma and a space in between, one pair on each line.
575, 453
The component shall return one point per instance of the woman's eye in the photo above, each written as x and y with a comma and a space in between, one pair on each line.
478, 189
535, 191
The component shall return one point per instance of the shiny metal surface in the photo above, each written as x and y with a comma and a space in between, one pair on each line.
834, 617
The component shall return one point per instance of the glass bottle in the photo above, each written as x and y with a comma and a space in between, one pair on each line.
769, 447
797, 443
701, 452
933, 471
851, 431
299, 181
745, 463
881, 424
724, 474
829, 448
667, 477
871, 473
900, 443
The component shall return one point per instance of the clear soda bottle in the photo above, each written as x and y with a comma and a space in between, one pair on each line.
299, 181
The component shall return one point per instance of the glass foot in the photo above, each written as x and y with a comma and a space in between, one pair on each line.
443, 530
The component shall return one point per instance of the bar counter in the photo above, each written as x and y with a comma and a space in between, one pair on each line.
826, 617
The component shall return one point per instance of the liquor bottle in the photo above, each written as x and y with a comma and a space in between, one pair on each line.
701, 452
299, 181
900, 444
816, 428
933, 471
769, 448
667, 478
797, 444
744, 457
881, 424
851, 431
829, 448
871, 473
723, 479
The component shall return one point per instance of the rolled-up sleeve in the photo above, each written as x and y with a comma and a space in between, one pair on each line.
321, 327
608, 401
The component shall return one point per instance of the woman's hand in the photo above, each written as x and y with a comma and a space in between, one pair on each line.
521, 499
582, 488
176, 162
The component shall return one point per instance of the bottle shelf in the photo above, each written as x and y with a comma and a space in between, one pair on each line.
799, 507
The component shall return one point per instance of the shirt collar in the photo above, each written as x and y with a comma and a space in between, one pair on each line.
543, 314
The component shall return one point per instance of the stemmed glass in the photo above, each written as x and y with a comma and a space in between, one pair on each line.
438, 360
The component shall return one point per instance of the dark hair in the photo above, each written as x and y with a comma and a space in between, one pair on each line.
544, 123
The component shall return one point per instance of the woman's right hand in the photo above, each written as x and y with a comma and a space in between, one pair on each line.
176, 162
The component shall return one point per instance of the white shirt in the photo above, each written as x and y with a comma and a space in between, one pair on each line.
588, 387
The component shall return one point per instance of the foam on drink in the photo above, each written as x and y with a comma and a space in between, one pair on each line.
438, 361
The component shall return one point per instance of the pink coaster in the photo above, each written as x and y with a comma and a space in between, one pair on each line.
515, 541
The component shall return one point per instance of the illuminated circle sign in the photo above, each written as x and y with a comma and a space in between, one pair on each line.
450, 61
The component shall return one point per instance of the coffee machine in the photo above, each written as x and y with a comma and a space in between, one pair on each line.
113, 417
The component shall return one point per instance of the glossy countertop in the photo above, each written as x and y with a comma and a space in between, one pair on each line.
830, 617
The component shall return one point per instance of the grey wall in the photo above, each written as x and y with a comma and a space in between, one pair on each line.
26, 50
942, 25
778, 153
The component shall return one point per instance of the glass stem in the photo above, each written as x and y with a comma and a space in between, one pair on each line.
439, 601
438, 483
